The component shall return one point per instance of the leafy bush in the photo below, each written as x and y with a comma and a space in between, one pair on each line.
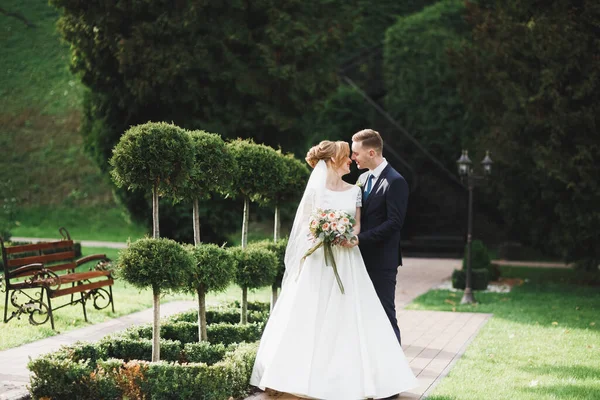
480, 259
56, 376
252, 306
204, 352
140, 348
479, 279
115, 367
278, 248
229, 333
229, 315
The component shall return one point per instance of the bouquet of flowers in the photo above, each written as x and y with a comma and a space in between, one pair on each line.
330, 228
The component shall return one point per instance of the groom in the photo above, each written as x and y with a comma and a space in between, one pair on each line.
385, 196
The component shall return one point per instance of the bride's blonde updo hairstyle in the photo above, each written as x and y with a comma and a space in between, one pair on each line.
327, 150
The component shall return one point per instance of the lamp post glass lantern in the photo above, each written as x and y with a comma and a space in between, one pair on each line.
467, 175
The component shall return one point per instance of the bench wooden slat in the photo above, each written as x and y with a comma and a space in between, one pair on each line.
17, 262
39, 246
80, 276
81, 288
61, 267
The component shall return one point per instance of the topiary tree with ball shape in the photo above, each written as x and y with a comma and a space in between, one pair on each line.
278, 248
153, 156
259, 175
212, 171
213, 271
255, 268
295, 175
162, 264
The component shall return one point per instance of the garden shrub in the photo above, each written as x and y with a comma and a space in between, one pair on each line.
140, 348
56, 376
204, 352
230, 316
118, 367
479, 279
228, 333
480, 259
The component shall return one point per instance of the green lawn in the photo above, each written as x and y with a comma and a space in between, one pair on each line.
543, 341
127, 300
83, 223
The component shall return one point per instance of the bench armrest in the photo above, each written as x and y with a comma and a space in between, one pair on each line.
26, 270
93, 257
102, 265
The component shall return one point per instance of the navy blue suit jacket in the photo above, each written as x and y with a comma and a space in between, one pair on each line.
381, 219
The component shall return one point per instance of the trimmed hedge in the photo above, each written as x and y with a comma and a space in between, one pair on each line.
480, 259
479, 279
230, 316
118, 365
187, 332
57, 376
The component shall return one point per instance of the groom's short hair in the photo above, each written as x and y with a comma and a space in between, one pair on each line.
370, 139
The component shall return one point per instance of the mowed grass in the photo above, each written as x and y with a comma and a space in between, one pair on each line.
110, 224
128, 299
543, 341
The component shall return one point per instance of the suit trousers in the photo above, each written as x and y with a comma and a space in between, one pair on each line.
384, 281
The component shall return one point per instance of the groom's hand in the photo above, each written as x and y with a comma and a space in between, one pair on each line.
350, 243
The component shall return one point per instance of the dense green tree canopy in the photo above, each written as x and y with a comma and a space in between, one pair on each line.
532, 72
422, 86
239, 68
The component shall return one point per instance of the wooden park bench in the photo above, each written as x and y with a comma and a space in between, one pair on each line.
34, 274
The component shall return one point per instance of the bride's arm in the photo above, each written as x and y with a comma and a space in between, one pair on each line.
357, 223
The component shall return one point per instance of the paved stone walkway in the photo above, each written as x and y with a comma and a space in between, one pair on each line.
432, 341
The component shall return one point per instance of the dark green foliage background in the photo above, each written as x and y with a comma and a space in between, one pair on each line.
422, 85
531, 71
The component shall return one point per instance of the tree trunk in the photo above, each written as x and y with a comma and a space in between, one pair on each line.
245, 222
202, 314
244, 319
277, 225
196, 217
155, 232
244, 312
156, 325
274, 296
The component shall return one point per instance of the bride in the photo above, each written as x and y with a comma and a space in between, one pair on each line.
321, 343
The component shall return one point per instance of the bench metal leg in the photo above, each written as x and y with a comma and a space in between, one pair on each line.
49, 307
112, 299
6, 306
83, 305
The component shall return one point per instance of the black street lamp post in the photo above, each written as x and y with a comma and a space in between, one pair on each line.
467, 175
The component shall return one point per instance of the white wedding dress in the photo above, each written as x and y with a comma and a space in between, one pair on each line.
322, 344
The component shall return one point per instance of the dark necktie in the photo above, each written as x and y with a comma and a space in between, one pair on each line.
369, 186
